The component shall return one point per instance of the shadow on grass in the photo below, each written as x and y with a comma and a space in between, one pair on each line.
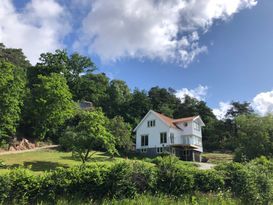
43, 165
99, 157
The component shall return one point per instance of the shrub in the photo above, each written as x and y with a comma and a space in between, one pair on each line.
208, 181
5, 188
126, 179
23, 185
174, 178
240, 181
84, 180
251, 182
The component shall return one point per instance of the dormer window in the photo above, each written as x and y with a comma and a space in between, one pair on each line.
151, 123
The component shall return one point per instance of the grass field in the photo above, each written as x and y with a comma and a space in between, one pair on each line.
216, 157
47, 159
197, 199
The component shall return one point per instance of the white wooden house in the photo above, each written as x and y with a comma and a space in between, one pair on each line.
157, 133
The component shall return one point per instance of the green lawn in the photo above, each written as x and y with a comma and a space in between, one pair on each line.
47, 159
217, 157
200, 199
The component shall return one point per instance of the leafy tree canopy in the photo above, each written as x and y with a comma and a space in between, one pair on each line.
255, 137
12, 86
51, 104
88, 135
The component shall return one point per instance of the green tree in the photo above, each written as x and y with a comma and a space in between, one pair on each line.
255, 137
231, 127
118, 95
12, 85
61, 63
51, 104
88, 135
14, 56
238, 108
163, 100
122, 133
137, 107
93, 87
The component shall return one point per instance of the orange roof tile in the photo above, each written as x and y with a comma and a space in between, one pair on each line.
172, 122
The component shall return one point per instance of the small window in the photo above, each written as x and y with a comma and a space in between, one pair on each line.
172, 138
159, 150
163, 137
151, 123
144, 150
173, 151
144, 140
185, 124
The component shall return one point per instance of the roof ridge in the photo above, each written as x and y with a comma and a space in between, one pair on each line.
171, 122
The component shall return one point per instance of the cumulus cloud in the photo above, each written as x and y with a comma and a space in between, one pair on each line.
39, 27
221, 111
199, 93
262, 103
155, 29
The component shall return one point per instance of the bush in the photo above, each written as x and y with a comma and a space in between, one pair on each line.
87, 181
208, 181
251, 182
5, 188
174, 178
240, 181
126, 179
23, 185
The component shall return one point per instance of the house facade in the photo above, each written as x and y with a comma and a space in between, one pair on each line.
157, 134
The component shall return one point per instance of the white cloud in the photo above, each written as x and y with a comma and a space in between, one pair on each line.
262, 103
199, 92
166, 30
222, 110
39, 27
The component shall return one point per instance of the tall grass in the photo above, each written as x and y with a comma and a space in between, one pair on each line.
197, 199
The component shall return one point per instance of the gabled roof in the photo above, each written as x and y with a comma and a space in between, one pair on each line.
172, 122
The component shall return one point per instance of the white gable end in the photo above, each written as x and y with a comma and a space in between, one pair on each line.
153, 132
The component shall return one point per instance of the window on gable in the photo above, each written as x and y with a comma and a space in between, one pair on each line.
144, 140
163, 137
151, 123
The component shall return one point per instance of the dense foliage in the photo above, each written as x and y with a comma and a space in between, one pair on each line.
252, 182
255, 137
37, 101
88, 134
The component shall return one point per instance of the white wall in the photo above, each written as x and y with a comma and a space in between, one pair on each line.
177, 135
152, 132
187, 130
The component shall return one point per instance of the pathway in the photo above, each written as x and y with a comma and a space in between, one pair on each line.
28, 150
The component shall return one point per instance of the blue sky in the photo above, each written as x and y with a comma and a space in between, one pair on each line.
217, 51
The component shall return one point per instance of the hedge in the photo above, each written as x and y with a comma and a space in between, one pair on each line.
250, 182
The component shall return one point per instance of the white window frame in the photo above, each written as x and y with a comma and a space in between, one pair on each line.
196, 126
151, 123
172, 138
159, 150
143, 150
165, 138
144, 144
